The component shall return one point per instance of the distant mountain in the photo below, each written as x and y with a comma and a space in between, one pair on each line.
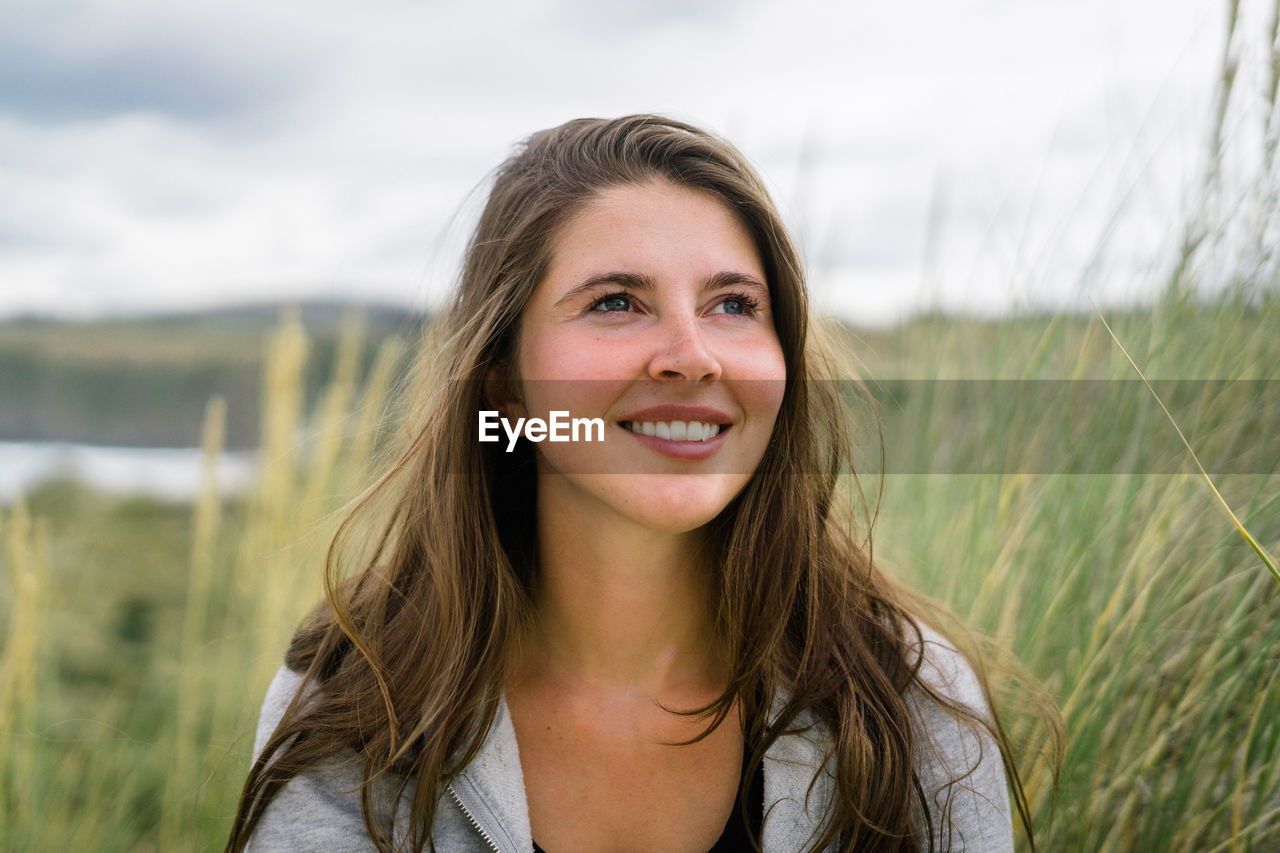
317, 315
144, 381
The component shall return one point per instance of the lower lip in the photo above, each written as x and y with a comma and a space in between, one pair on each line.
690, 450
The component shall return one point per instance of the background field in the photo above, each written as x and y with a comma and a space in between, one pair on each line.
140, 635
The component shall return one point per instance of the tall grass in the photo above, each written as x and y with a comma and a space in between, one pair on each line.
1128, 593
145, 749
19, 687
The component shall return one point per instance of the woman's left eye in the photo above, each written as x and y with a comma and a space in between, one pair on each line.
737, 304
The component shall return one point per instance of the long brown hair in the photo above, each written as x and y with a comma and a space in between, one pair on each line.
410, 650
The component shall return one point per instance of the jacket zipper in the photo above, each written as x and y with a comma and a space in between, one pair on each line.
475, 823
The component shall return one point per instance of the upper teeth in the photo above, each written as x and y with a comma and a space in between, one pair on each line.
675, 430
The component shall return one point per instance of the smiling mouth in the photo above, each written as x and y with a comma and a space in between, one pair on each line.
686, 431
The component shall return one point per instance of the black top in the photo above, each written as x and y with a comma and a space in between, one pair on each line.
734, 838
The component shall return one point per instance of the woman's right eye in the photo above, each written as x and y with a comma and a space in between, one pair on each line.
613, 303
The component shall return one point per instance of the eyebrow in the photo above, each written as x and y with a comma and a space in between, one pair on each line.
645, 284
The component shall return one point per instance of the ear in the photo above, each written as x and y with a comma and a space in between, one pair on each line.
502, 393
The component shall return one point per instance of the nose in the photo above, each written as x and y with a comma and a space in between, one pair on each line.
682, 352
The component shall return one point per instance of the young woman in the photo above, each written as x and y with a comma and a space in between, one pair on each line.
660, 636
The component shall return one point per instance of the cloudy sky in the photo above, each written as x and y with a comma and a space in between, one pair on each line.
955, 153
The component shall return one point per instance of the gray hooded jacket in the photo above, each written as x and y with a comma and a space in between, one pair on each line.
484, 808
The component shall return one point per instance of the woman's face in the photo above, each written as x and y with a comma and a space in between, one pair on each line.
654, 316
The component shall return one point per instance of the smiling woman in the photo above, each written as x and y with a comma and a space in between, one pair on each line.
668, 639
653, 311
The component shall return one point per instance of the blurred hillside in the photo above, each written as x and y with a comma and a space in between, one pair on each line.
144, 381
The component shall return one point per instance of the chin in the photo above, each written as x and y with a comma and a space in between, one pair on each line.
663, 503
676, 520
683, 503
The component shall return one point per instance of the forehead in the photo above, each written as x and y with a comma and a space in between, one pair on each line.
656, 227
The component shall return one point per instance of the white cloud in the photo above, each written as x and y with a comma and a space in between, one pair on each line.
335, 141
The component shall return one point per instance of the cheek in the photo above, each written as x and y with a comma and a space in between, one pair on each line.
581, 398
755, 356
763, 381
566, 371
565, 354
561, 373
774, 391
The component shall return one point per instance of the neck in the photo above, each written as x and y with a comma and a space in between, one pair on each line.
618, 605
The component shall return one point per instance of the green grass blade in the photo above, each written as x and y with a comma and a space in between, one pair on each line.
1267, 559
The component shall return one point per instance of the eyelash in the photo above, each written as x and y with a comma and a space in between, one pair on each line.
750, 305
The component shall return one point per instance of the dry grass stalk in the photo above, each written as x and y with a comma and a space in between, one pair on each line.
19, 667
332, 426
177, 814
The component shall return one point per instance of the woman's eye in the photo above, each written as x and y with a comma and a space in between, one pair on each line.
737, 304
612, 303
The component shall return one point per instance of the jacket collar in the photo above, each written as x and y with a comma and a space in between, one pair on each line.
491, 788
792, 808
